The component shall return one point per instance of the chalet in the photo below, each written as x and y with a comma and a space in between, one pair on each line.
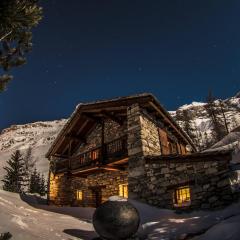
131, 146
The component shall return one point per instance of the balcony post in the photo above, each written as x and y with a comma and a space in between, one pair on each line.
69, 155
102, 142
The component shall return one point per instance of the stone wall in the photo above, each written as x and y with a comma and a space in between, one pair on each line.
149, 134
208, 181
108, 181
59, 190
63, 188
136, 161
112, 130
143, 140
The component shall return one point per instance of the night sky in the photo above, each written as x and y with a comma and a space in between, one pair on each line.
98, 49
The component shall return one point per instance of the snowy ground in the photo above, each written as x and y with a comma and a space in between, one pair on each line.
36, 221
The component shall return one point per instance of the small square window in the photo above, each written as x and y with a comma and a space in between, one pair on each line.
123, 190
79, 195
182, 197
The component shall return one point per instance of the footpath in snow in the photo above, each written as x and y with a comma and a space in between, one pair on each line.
26, 219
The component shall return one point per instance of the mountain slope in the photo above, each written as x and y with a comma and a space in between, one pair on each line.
200, 125
38, 136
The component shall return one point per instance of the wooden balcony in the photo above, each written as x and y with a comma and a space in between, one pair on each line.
97, 157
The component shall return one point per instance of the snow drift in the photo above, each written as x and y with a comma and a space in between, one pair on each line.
26, 219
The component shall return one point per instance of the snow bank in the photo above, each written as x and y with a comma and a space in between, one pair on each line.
35, 222
166, 224
32, 221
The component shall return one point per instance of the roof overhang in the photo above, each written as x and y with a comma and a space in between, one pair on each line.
87, 115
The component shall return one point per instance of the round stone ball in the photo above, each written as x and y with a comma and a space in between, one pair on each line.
115, 220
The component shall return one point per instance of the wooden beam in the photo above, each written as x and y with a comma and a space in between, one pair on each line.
102, 140
69, 153
117, 103
75, 137
79, 130
60, 138
118, 162
60, 156
90, 129
168, 121
112, 117
82, 125
84, 170
91, 117
112, 169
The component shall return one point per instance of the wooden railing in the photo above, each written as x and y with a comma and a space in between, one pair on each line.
61, 165
109, 152
91, 157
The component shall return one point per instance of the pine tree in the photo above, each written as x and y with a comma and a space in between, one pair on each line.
37, 183
187, 124
33, 186
218, 128
223, 109
13, 180
208, 141
42, 191
29, 164
17, 18
197, 140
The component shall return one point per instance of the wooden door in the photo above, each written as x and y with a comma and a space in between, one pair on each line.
97, 196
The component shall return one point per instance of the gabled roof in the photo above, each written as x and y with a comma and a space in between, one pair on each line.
116, 105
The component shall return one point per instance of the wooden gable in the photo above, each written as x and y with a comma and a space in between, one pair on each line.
86, 116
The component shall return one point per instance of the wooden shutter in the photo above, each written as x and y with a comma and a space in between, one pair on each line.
183, 148
179, 148
174, 148
163, 141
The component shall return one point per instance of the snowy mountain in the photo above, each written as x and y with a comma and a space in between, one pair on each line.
38, 136
200, 125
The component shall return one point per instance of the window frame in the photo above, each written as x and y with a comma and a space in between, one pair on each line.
180, 198
123, 188
79, 192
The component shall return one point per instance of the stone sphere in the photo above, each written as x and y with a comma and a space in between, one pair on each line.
116, 220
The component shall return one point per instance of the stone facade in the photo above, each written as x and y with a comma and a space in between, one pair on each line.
108, 182
154, 181
143, 140
112, 130
64, 188
59, 190
209, 182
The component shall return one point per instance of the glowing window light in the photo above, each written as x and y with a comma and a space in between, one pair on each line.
123, 190
79, 195
182, 197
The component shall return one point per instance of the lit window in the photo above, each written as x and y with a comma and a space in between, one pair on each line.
79, 195
182, 197
123, 190
95, 154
